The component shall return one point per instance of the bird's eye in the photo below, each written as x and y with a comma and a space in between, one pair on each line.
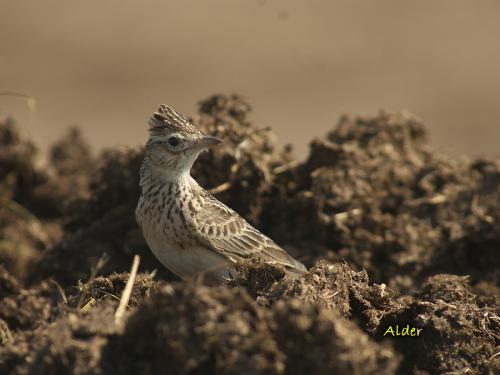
174, 141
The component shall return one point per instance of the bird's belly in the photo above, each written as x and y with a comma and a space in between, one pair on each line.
185, 259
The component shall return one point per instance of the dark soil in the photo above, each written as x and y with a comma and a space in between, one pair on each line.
393, 234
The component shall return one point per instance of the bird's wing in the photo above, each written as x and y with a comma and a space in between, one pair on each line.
224, 231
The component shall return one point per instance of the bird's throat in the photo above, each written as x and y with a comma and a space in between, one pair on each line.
158, 179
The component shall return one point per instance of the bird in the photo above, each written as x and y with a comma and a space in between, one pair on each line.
188, 230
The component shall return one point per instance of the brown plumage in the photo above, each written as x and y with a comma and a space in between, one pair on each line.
167, 118
189, 230
221, 229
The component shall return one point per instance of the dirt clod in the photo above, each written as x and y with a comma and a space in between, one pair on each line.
457, 335
393, 233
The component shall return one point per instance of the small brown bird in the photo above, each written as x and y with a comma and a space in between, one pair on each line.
188, 230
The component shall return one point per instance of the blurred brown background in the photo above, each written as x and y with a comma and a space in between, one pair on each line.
105, 65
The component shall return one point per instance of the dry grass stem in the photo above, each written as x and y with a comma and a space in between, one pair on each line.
120, 311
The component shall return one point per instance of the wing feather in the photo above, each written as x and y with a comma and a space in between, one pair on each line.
224, 231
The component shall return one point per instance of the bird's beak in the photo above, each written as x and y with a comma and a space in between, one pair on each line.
207, 142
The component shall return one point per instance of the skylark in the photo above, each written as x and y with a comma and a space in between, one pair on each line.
187, 229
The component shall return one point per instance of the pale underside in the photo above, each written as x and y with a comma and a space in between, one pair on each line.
190, 231
218, 238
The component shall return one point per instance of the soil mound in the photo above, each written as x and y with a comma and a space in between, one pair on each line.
375, 194
393, 233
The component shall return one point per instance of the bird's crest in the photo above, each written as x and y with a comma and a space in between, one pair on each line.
167, 119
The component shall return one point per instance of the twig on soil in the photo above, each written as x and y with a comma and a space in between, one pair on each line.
246, 139
108, 293
120, 311
237, 155
93, 273
276, 171
219, 189
330, 295
286, 167
435, 200
60, 290
342, 216
89, 305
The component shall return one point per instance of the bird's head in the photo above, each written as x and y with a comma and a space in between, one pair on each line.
174, 143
